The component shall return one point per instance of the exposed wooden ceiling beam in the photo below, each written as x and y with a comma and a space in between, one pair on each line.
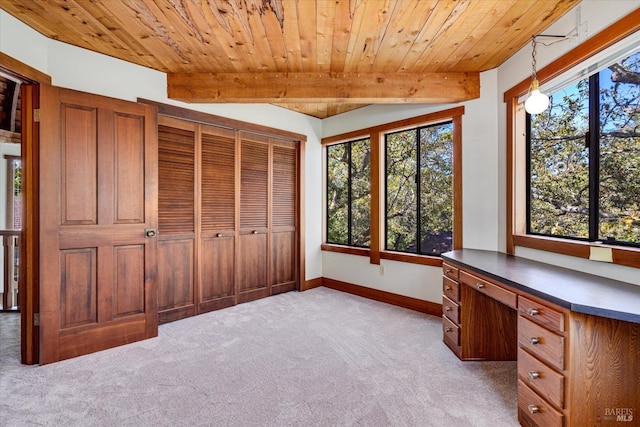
353, 88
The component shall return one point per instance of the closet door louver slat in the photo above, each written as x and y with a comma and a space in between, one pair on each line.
176, 220
283, 217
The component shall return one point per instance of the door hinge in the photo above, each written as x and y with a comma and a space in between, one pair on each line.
36, 319
36, 115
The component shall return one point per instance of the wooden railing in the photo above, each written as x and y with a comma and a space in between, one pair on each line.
11, 279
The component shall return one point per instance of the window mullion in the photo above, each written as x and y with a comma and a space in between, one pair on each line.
418, 194
594, 157
349, 196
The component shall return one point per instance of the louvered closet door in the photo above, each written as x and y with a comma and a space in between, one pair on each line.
176, 212
284, 217
253, 254
218, 190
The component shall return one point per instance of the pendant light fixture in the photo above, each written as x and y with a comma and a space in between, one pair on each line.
537, 101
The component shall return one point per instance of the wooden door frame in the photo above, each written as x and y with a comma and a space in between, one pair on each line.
29, 292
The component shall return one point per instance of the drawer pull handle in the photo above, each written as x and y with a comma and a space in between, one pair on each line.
533, 311
447, 308
479, 285
534, 340
219, 235
448, 270
447, 329
447, 288
534, 409
533, 375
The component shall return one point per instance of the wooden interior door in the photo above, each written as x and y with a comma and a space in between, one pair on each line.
98, 213
253, 253
176, 219
283, 229
217, 218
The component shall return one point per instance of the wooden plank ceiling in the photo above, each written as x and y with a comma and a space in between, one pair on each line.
318, 57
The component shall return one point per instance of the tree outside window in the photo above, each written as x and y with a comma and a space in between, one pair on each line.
348, 193
419, 190
584, 159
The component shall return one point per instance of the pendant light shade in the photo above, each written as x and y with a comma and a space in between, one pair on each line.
537, 101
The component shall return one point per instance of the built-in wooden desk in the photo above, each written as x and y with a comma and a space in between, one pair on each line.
576, 336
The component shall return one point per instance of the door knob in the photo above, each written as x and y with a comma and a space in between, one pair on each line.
151, 233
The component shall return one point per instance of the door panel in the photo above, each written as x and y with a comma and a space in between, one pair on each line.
128, 298
175, 276
129, 169
78, 287
218, 284
98, 195
79, 164
283, 265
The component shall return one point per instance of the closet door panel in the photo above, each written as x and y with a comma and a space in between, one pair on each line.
176, 220
218, 218
284, 217
253, 254
175, 274
217, 288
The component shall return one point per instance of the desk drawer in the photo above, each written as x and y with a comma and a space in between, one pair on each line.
541, 314
450, 330
535, 410
494, 291
544, 380
451, 310
541, 342
451, 289
450, 271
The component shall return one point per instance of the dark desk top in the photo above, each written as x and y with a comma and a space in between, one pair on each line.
577, 291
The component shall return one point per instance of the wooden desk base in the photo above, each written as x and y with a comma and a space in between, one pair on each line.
575, 369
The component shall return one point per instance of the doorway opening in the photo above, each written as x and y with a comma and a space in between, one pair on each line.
19, 136
10, 213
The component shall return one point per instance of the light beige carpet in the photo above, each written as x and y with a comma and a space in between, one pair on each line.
317, 358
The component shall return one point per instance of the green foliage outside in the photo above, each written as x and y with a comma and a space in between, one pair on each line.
559, 159
349, 193
421, 213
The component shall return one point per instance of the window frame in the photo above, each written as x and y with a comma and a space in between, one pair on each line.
348, 145
419, 170
376, 137
516, 232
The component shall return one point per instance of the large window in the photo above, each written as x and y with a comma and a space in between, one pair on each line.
348, 193
584, 159
419, 189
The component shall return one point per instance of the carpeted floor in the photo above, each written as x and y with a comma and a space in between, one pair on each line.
317, 358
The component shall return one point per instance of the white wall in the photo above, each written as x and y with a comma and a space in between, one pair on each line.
75, 68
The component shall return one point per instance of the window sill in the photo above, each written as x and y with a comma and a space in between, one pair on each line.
629, 257
392, 256
351, 250
411, 258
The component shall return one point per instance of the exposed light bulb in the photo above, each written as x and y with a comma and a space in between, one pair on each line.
537, 101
